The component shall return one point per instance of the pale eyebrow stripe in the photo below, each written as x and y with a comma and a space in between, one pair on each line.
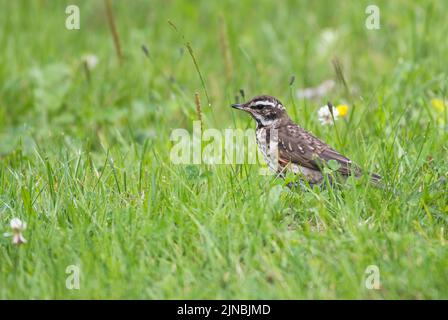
263, 102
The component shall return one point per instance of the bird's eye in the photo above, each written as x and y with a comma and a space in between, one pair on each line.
257, 106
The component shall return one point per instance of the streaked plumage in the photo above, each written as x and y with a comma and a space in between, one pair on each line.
298, 150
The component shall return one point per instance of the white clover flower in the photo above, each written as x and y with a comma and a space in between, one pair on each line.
324, 115
90, 60
328, 37
326, 41
17, 227
17, 224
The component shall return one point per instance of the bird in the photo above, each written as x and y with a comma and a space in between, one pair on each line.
286, 147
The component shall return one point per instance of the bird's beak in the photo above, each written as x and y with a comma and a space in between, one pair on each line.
238, 106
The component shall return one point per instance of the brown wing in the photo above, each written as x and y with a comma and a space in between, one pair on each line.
300, 147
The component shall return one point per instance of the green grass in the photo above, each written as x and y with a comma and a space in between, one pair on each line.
87, 166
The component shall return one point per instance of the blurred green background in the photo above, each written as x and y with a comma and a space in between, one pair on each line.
84, 154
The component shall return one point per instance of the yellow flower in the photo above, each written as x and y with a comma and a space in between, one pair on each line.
438, 104
342, 110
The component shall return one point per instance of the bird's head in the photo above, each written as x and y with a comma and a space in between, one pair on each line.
266, 110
